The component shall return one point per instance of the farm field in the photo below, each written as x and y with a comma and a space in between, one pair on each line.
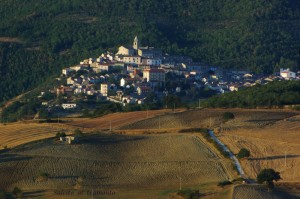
114, 162
261, 192
115, 119
15, 134
212, 118
269, 145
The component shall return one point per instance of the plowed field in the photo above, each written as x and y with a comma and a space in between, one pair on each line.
113, 161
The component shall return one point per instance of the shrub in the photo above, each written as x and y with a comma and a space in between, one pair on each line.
2, 194
42, 177
224, 183
60, 134
189, 194
228, 116
18, 192
78, 133
243, 153
194, 130
296, 108
268, 176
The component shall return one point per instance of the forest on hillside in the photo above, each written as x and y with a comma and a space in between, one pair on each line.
39, 37
274, 94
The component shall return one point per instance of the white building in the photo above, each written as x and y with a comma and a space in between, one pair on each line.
66, 71
70, 81
286, 73
104, 89
68, 106
76, 68
152, 62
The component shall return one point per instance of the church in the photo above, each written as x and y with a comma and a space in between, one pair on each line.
137, 51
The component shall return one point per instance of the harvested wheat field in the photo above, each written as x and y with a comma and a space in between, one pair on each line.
115, 120
105, 161
15, 134
261, 192
212, 118
276, 145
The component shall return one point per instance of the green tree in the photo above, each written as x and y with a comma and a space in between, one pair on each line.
78, 133
228, 116
18, 192
243, 153
268, 176
2, 194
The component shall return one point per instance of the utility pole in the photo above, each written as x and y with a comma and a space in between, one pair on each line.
147, 113
158, 122
285, 158
174, 108
180, 183
110, 126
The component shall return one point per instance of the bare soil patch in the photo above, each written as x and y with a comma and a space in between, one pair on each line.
10, 40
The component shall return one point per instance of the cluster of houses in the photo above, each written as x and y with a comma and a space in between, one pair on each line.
134, 71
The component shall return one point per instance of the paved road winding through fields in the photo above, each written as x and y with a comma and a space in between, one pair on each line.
233, 157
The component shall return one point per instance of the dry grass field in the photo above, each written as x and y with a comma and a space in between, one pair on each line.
113, 162
212, 118
269, 145
116, 119
142, 164
15, 134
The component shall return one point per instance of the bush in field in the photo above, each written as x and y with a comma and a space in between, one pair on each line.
18, 192
243, 153
2, 194
189, 194
224, 183
78, 133
268, 176
60, 134
228, 116
42, 177
79, 183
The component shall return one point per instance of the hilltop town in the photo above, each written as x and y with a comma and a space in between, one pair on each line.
138, 75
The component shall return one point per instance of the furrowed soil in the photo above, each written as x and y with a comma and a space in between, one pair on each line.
14, 134
272, 136
113, 162
115, 120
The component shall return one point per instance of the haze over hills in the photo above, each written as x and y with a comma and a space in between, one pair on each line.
38, 38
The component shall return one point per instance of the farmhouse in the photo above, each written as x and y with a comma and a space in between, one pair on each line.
69, 139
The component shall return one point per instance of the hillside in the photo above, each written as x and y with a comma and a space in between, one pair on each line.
38, 38
274, 94
119, 163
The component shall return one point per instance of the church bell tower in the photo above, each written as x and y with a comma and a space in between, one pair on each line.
136, 43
